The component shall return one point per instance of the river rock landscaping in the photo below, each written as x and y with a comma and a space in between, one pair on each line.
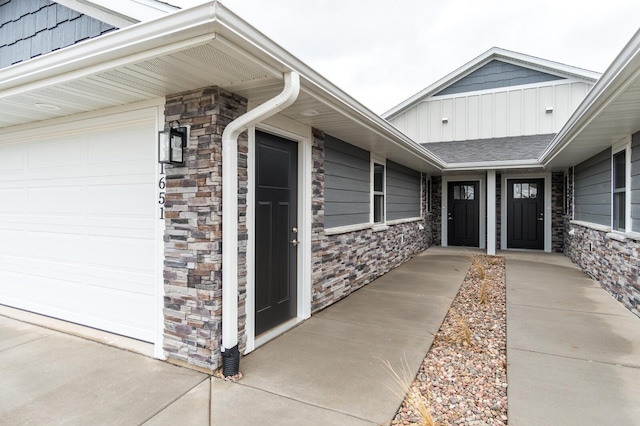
463, 378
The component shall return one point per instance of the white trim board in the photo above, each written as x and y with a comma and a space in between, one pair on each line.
481, 179
547, 206
283, 127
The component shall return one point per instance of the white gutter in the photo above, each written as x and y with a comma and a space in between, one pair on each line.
492, 165
230, 202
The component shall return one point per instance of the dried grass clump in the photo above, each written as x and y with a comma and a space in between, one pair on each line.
403, 385
460, 333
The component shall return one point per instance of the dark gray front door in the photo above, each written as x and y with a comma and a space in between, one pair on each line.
525, 213
463, 214
276, 228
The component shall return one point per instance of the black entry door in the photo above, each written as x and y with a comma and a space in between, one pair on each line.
276, 231
525, 213
463, 214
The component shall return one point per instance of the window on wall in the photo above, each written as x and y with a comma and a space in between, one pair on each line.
429, 195
619, 178
567, 192
378, 193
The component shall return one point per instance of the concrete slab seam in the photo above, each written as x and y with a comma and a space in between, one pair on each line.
304, 402
572, 357
170, 403
27, 342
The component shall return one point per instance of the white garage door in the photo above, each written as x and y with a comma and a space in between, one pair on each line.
77, 225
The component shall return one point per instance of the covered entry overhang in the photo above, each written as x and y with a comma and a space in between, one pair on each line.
199, 47
203, 46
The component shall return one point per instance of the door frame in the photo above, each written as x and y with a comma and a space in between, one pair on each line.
481, 179
547, 206
285, 128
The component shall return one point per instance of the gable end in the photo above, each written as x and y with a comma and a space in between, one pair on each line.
30, 28
496, 74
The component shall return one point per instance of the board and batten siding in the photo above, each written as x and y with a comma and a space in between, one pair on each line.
635, 183
403, 192
592, 196
347, 184
508, 111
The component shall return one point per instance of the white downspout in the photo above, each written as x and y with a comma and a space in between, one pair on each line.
230, 208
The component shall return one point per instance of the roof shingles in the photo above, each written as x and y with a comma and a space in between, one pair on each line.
495, 149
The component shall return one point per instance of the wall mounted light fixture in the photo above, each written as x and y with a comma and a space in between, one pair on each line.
171, 145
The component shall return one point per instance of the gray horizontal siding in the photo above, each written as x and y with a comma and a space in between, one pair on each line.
30, 28
403, 192
347, 184
635, 183
497, 74
592, 191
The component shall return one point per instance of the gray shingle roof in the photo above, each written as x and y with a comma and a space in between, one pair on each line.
494, 149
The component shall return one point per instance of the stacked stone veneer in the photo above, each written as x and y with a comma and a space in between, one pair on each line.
613, 260
345, 262
193, 229
557, 212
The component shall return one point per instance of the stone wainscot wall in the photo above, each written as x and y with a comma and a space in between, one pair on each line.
193, 229
345, 262
611, 259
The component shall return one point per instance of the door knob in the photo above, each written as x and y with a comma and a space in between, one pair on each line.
294, 242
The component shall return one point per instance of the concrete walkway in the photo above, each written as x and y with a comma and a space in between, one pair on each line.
329, 370
573, 351
573, 359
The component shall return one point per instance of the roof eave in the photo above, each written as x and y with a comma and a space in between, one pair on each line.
493, 165
603, 93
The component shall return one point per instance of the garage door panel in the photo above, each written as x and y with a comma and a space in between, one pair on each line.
126, 282
12, 242
55, 246
13, 200
12, 162
130, 200
116, 147
123, 254
57, 200
53, 155
78, 237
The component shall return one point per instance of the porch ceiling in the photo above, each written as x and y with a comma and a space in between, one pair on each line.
199, 47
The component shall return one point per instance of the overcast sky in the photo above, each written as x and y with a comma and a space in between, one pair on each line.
382, 52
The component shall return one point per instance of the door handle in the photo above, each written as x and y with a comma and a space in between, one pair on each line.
541, 217
294, 242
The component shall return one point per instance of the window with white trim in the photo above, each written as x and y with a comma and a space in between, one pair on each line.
619, 188
378, 192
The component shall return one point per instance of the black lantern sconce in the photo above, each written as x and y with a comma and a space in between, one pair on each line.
172, 144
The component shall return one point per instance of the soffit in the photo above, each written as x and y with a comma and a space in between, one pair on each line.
192, 53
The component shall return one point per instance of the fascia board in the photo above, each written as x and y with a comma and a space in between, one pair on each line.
121, 13
624, 69
489, 165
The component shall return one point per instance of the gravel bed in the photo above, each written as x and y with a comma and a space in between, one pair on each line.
463, 378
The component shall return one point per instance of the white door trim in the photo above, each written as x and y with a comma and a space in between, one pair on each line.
283, 127
445, 199
547, 206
